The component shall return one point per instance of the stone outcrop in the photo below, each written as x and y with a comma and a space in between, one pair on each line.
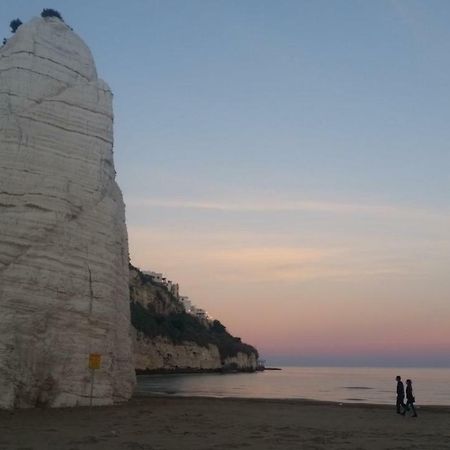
166, 339
63, 243
152, 295
161, 355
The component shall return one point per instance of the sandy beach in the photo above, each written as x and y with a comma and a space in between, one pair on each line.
157, 423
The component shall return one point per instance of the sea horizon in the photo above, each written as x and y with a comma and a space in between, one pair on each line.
363, 366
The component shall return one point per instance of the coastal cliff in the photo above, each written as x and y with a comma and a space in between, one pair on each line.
65, 280
63, 246
167, 339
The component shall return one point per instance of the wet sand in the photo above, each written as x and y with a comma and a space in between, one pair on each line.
166, 423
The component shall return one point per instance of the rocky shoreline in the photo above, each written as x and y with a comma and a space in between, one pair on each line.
188, 370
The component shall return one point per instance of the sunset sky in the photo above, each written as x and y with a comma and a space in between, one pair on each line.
288, 163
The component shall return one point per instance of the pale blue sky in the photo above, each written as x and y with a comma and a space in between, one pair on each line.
276, 155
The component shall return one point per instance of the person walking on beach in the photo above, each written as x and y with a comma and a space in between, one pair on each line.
410, 399
400, 396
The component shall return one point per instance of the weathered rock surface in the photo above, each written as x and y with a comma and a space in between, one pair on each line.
160, 354
152, 295
63, 242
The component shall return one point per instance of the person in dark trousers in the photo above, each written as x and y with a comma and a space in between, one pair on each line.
400, 396
410, 397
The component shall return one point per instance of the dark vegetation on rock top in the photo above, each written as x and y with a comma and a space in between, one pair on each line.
48, 12
14, 24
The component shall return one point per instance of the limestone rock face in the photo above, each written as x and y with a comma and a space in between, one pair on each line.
158, 298
63, 242
159, 354
242, 361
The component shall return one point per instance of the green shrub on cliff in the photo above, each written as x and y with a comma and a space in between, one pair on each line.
48, 12
14, 24
182, 327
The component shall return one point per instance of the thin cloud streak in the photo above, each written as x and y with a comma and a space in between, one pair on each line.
239, 261
293, 206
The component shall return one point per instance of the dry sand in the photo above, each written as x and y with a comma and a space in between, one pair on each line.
157, 423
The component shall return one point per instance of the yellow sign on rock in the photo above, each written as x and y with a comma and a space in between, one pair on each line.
95, 360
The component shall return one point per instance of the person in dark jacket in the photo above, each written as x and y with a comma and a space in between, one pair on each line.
400, 396
410, 397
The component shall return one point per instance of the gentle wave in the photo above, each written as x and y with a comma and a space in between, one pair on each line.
357, 387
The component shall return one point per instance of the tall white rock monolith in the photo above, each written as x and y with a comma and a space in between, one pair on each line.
63, 242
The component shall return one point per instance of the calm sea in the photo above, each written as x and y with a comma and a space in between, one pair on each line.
341, 384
